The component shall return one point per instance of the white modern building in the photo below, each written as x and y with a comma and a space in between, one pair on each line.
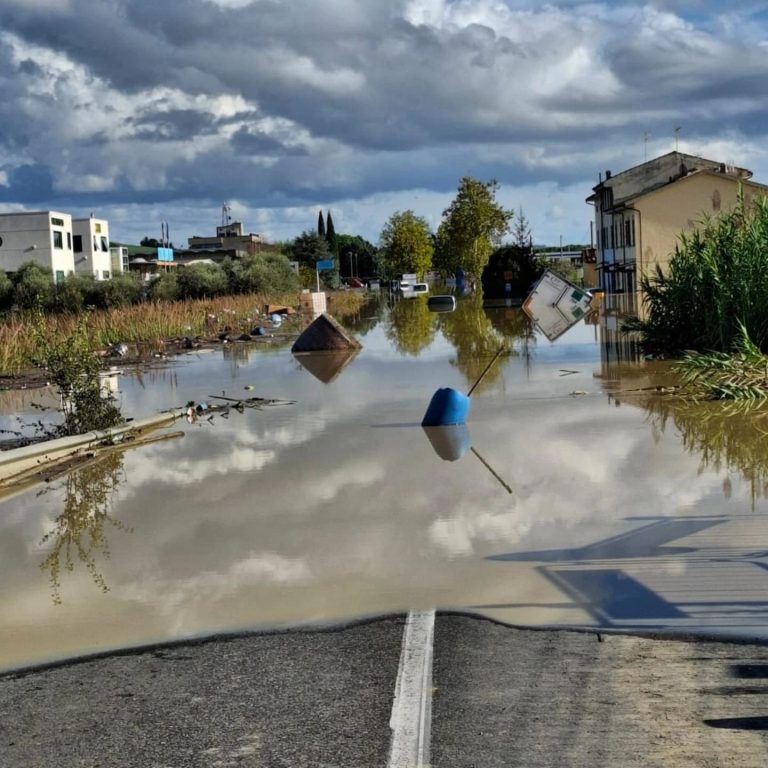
90, 241
119, 255
44, 237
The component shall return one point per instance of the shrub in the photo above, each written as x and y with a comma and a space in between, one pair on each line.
74, 370
6, 292
201, 281
32, 287
74, 294
163, 288
120, 291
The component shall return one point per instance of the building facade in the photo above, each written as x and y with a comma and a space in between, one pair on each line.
45, 237
230, 238
641, 212
90, 241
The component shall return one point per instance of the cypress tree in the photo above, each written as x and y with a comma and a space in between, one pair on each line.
321, 224
330, 236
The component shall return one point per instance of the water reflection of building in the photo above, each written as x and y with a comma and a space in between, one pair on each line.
616, 346
640, 212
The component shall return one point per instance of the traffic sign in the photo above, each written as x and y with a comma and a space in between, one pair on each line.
325, 264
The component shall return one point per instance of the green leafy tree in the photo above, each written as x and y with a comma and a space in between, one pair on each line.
472, 225
515, 263
320, 224
357, 256
406, 245
309, 248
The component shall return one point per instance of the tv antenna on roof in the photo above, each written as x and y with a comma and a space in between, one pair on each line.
225, 217
677, 138
646, 136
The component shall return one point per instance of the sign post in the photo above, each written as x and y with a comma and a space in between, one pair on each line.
325, 265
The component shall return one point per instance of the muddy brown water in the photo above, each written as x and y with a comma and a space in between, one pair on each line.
628, 510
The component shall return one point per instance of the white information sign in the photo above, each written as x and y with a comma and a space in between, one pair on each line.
555, 305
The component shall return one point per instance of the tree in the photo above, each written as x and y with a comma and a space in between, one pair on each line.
320, 224
357, 256
309, 248
515, 264
330, 236
472, 225
521, 232
406, 244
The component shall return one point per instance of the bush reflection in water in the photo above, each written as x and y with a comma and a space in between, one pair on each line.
80, 531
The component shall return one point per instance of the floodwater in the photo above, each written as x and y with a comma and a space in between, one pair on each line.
580, 494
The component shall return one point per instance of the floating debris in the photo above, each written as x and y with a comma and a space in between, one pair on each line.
323, 334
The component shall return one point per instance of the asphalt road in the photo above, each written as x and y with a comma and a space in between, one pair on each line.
500, 697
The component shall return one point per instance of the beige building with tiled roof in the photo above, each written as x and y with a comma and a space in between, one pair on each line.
641, 212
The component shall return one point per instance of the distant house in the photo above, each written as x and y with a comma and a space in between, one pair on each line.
44, 237
640, 212
90, 242
145, 260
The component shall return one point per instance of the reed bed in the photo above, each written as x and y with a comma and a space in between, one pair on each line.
151, 323
738, 375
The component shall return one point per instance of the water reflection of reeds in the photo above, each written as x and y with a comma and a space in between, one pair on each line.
728, 437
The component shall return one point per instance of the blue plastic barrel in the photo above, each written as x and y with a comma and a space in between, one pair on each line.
447, 406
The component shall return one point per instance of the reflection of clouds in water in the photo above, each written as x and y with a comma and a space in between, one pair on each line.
358, 474
191, 471
573, 482
458, 534
220, 449
182, 599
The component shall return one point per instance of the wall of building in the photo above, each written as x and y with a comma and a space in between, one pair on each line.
44, 237
656, 172
119, 259
94, 259
679, 207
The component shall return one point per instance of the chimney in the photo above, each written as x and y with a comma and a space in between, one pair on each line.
607, 175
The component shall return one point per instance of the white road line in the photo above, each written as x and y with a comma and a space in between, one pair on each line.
412, 707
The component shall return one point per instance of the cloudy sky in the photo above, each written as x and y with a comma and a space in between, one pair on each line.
143, 111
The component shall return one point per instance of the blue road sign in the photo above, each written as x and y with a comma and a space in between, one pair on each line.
325, 264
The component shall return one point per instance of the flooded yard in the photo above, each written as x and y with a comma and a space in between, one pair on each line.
581, 494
